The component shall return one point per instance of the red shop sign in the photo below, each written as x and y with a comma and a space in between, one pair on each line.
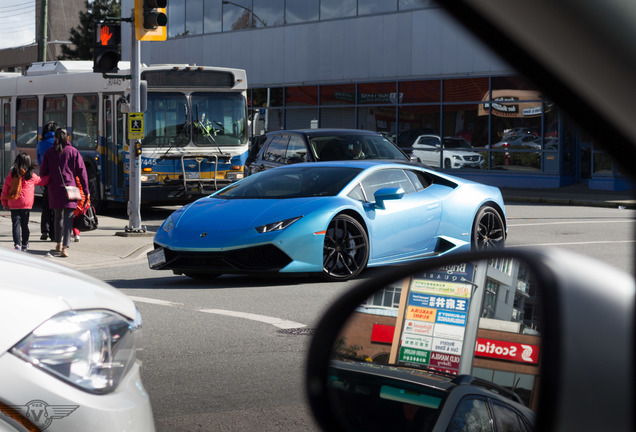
512, 351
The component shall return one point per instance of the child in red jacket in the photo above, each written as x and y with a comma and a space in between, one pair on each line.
18, 193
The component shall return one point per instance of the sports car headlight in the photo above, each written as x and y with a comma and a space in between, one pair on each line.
168, 225
90, 349
277, 226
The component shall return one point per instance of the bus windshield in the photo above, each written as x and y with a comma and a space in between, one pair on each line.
207, 120
219, 119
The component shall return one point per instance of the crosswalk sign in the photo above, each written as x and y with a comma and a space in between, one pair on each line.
136, 126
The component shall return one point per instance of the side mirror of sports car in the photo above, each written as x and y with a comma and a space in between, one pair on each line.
386, 194
525, 339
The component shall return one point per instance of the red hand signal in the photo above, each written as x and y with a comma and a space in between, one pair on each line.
105, 35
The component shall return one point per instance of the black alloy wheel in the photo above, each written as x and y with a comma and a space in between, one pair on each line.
489, 231
346, 249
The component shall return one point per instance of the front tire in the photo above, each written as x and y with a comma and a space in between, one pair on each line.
489, 230
345, 250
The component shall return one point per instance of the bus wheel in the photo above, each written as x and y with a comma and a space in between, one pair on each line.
93, 187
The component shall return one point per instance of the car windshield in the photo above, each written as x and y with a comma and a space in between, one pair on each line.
454, 143
343, 147
292, 182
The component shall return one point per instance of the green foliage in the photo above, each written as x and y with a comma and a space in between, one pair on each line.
82, 36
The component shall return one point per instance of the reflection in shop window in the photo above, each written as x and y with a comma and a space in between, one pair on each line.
378, 118
330, 9
378, 93
297, 11
268, 13
194, 16
301, 96
176, 22
343, 94
341, 118
300, 118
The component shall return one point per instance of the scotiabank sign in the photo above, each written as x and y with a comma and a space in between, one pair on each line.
512, 351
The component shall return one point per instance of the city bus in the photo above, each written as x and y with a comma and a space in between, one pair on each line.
194, 125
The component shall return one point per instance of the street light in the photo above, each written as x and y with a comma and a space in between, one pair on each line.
247, 9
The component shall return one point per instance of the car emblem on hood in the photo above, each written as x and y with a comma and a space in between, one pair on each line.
203, 234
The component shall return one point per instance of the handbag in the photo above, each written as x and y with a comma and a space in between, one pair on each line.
72, 192
86, 221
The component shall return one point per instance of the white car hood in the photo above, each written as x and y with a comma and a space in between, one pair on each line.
32, 290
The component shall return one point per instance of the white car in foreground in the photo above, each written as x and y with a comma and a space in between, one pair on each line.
68, 351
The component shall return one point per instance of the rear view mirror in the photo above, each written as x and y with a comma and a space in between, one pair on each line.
501, 338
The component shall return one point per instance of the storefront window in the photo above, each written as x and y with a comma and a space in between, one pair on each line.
300, 118
344, 118
377, 118
301, 96
465, 89
343, 94
262, 97
420, 91
378, 93
463, 121
415, 121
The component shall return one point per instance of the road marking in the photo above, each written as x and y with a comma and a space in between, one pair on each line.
277, 322
154, 301
571, 223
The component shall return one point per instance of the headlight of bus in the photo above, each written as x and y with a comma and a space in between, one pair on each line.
149, 178
234, 175
90, 349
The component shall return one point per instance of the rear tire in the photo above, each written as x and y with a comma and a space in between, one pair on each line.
489, 230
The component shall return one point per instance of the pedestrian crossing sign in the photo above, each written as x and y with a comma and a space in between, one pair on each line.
136, 126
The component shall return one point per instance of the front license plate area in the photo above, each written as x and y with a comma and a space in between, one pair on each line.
156, 258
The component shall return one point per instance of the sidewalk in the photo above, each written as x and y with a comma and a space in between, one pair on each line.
111, 245
107, 245
574, 195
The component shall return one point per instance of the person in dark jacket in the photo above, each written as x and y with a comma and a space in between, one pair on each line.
46, 217
63, 163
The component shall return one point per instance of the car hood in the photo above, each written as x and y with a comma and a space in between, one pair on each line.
225, 215
33, 290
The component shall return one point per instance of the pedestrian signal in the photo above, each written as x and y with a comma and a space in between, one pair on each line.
106, 48
151, 20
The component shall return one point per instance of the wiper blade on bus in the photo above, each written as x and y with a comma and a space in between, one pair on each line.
204, 131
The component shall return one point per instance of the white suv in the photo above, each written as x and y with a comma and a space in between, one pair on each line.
453, 152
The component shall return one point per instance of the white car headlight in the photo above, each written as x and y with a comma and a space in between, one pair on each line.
90, 349
277, 226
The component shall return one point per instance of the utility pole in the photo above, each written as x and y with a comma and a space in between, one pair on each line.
42, 37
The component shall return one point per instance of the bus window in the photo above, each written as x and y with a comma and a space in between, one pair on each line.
85, 122
55, 109
165, 120
6, 147
27, 122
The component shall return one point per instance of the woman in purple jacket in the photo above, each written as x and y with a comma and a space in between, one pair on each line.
62, 163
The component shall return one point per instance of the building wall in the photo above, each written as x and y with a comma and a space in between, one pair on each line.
404, 45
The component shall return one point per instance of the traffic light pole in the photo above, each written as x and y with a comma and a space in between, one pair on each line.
134, 161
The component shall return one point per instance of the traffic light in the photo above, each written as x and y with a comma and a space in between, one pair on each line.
151, 20
106, 48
